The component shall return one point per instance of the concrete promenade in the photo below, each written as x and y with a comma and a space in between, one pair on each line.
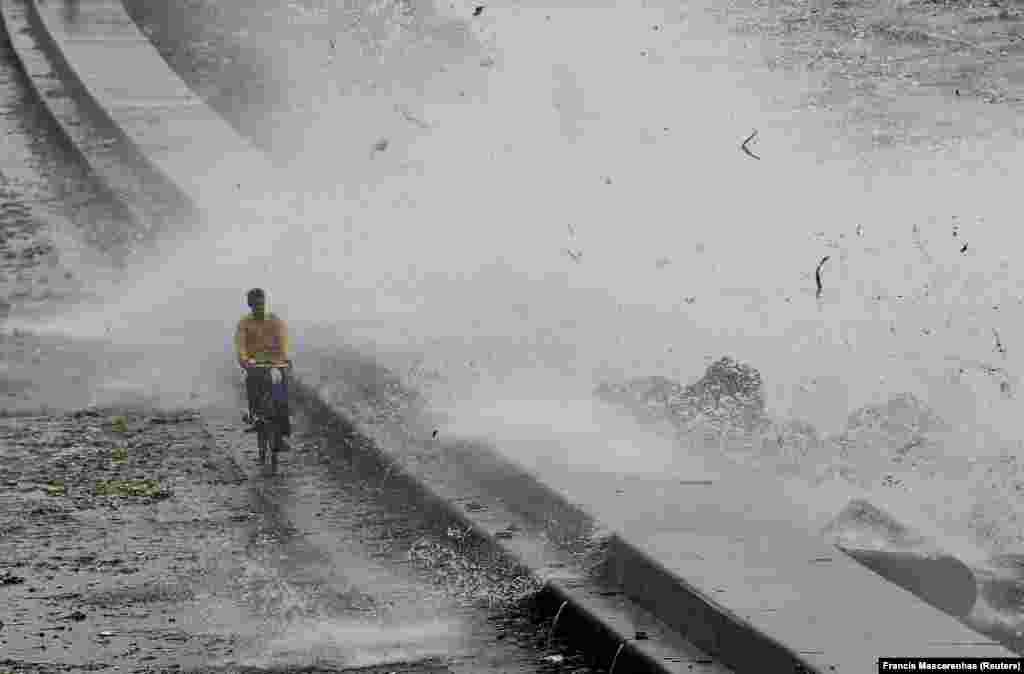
717, 556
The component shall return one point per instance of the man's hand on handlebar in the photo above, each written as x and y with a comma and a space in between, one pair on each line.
251, 363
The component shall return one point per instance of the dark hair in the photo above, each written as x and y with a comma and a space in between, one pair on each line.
255, 294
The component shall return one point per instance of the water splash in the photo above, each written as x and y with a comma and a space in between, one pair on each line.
358, 644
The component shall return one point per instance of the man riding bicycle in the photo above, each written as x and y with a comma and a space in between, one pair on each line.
262, 337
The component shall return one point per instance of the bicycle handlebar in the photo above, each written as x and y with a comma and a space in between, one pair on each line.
266, 364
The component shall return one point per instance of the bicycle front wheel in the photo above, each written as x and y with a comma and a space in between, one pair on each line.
261, 441
275, 436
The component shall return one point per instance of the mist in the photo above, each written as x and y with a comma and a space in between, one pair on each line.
532, 201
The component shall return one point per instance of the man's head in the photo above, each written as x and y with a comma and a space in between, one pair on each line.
257, 300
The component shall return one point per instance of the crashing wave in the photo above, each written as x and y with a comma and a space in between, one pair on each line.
895, 445
903, 413
861, 524
898, 428
729, 395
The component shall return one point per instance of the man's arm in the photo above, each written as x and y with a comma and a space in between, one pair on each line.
243, 355
285, 342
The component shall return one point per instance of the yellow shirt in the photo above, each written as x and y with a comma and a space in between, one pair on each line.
265, 339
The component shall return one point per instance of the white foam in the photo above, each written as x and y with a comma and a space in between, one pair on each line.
354, 643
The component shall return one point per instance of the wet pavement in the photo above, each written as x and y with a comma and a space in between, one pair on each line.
148, 540
239, 60
59, 226
98, 551
145, 537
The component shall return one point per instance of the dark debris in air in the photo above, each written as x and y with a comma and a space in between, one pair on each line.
409, 117
478, 10
1000, 348
743, 145
380, 146
817, 276
1001, 374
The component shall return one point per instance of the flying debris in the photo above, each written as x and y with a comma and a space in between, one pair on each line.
1000, 348
743, 145
817, 276
409, 117
380, 146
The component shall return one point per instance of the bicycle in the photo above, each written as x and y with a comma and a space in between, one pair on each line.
266, 417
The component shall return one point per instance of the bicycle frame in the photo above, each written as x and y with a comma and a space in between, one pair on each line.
268, 430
